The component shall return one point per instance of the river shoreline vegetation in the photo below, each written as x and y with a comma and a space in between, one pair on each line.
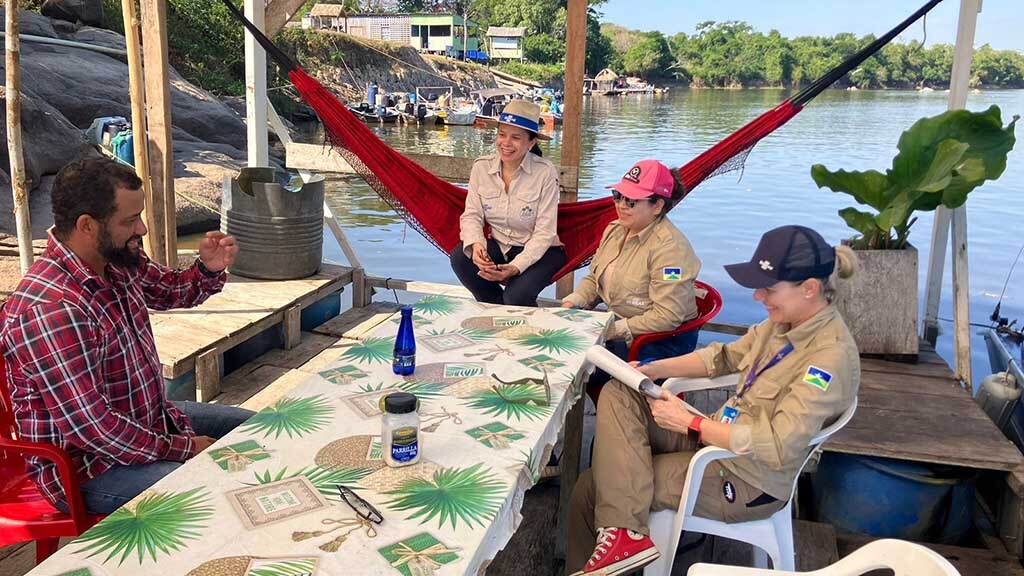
206, 42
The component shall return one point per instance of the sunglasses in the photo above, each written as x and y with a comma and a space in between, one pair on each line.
630, 203
502, 391
362, 508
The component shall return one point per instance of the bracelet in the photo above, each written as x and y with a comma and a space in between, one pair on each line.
206, 271
695, 426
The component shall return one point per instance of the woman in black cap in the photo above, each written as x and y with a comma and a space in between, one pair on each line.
799, 371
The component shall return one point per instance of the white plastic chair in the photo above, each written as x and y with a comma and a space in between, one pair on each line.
771, 537
902, 557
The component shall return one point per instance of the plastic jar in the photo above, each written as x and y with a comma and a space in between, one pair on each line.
400, 430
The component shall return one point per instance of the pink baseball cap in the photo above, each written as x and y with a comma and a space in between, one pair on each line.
645, 179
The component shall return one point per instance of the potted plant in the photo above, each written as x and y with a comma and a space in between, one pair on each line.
940, 161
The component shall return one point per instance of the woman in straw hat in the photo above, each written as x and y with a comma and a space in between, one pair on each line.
514, 191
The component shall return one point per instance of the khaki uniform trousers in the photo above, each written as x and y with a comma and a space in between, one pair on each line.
638, 467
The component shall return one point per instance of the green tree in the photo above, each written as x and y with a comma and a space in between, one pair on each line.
649, 56
544, 48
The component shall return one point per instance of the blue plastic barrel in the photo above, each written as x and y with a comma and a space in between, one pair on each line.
371, 94
894, 499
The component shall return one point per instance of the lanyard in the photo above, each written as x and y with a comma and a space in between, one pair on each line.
756, 371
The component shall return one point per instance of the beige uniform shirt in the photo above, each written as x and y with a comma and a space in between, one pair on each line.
791, 401
646, 280
526, 216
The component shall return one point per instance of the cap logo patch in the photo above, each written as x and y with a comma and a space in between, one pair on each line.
633, 175
671, 273
766, 265
728, 492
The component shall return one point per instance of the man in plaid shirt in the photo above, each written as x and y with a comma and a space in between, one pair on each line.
82, 364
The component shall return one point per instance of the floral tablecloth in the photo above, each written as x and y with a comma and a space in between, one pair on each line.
265, 500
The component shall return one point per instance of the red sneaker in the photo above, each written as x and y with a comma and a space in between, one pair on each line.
619, 551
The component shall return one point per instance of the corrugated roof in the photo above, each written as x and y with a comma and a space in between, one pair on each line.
506, 31
329, 10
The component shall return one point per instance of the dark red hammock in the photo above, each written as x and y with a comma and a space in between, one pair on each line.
433, 206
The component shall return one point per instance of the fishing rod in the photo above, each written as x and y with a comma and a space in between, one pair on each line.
999, 322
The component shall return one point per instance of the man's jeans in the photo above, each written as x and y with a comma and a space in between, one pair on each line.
113, 488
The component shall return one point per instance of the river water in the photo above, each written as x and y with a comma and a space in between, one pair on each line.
725, 216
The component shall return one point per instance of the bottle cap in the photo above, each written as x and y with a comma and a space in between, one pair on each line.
406, 310
400, 403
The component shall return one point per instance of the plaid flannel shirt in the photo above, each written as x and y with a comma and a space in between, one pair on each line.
82, 363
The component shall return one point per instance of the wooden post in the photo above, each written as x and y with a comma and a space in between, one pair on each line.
163, 239
19, 186
137, 90
958, 87
256, 90
572, 116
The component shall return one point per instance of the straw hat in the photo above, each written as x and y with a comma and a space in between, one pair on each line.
523, 114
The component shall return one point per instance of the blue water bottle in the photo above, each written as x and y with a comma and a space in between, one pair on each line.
404, 362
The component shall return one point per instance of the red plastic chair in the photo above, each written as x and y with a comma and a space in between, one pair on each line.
709, 304
25, 514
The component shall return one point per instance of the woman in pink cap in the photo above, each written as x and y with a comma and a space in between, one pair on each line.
644, 268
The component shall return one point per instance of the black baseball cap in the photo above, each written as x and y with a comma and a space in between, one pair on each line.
790, 253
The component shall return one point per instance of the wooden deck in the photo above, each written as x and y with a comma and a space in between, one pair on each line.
194, 339
918, 412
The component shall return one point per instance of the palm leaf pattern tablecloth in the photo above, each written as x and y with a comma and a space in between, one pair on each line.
483, 444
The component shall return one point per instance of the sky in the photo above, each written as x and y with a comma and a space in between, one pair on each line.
1000, 23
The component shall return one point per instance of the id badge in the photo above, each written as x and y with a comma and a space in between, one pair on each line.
729, 415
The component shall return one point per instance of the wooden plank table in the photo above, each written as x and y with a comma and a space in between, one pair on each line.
242, 310
482, 447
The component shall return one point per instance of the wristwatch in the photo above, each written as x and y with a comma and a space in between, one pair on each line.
694, 427
206, 271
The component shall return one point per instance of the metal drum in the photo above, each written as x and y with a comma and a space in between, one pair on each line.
279, 228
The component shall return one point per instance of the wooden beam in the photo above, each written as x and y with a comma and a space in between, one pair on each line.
19, 186
163, 240
321, 158
137, 92
207, 376
959, 84
256, 90
292, 327
278, 13
572, 117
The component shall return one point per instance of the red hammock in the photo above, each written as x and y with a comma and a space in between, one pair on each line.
433, 206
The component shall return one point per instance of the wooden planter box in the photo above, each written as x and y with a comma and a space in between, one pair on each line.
879, 303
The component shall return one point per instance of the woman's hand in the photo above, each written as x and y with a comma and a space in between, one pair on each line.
567, 304
498, 273
481, 258
652, 369
669, 413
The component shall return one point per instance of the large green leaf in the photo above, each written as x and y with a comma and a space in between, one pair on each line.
159, 523
472, 495
295, 417
866, 187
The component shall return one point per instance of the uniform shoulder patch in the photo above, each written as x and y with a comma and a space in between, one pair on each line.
671, 273
817, 377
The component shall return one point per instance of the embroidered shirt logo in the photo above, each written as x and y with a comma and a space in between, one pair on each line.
671, 273
633, 175
766, 265
817, 377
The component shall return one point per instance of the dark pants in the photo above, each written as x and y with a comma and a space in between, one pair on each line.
113, 488
522, 290
669, 347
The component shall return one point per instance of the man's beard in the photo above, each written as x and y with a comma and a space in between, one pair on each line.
122, 256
